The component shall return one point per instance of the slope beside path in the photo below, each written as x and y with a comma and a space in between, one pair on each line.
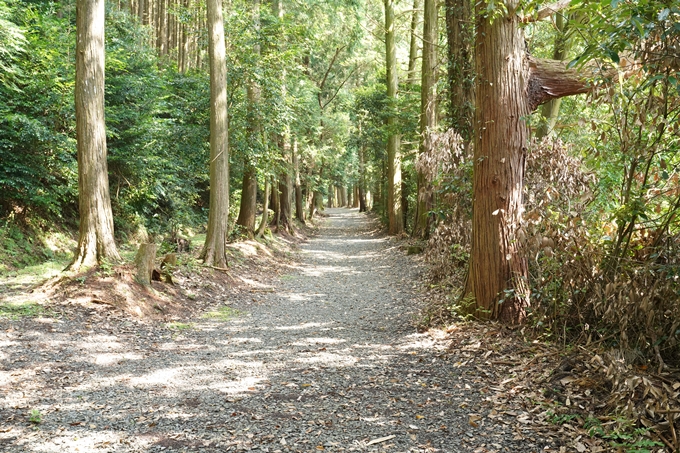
325, 359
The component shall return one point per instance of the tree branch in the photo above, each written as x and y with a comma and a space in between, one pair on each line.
325, 76
546, 11
339, 88
551, 79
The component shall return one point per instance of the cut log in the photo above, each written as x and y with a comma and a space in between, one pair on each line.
144, 262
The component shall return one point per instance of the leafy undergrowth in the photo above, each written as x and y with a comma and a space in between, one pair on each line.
585, 394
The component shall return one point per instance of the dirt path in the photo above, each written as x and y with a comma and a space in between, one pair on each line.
326, 359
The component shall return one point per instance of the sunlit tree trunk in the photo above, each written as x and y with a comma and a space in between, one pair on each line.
285, 212
265, 211
214, 249
428, 111
96, 240
299, 208
509, 86
394, 211
411, 75
246, 216
141, 11
274, 200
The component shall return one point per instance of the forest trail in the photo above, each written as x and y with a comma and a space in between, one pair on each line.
327, 359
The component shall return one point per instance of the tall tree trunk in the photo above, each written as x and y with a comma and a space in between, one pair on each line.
428, 112
274, 203
141, 11
246, 216
214, 249
299, 208
460, 40
551, 109
394, 209
285, 212
498, 271
413, 48
265, 210
96, 240
510, 85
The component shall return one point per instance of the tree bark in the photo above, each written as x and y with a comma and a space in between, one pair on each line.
428, 113
265, 211
362, 180
96, 239
299, 208
460, 40
413, 48
285, 217
246, 216
214, 252
510, 85
144, 260
274, 200
498, 271
394, 208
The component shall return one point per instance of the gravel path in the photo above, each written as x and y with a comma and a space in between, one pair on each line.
325, 359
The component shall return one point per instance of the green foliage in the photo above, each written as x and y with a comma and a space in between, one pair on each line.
156, 125
12, 44
179, 326
37, 159
35, 417
224, 314
9, 310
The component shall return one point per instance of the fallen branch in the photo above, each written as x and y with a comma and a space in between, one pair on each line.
380, 440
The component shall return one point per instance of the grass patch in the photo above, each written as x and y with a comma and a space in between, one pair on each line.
223, 313
10, 310
197, 240
179, 326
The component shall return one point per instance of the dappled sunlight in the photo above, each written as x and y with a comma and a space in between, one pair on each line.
254, 283
329, 359
246, 340
321, 270
319, 340
301, 297
308, 325
238, 387
106, 359
162, 376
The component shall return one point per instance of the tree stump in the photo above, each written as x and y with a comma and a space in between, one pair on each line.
144, 261
167, 266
